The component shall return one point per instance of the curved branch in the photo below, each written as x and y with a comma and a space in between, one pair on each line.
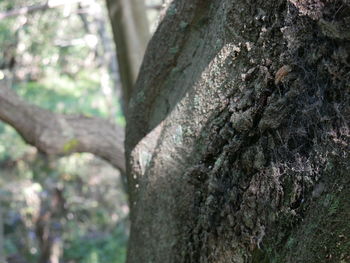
61, 134
34, 8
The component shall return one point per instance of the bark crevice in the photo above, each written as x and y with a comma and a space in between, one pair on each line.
242, 163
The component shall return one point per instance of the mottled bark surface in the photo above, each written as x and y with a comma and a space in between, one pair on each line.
238, 134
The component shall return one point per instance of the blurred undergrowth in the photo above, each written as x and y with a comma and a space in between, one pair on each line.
60, 59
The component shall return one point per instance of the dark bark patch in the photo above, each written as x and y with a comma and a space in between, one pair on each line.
263, 167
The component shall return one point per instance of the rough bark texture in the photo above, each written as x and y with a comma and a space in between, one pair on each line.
62, 134
2, 240
238, 134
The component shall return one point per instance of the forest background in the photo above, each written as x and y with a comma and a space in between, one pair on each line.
237, 136
62, 59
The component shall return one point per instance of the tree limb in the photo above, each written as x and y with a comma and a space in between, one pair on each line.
130, 29
23, 11
60, 134
131, 34
34, 8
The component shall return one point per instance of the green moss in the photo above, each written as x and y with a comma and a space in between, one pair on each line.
172, 10
70, 145
291, 242
183, 25
174, 50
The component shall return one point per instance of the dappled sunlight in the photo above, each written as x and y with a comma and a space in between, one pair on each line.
60, 55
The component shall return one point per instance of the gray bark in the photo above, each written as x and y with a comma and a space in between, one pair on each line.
238, 134
2, 254
131, 35
59, 134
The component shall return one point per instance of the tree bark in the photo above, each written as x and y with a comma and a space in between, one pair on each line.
59, 134
238, 134
2, 243
131, 35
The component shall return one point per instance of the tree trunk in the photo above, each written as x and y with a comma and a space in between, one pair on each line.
238, 134
131, 35
2, 255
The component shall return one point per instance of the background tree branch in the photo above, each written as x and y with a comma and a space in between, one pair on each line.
34, 8
131, 35
130, 29
50, 4
60, 134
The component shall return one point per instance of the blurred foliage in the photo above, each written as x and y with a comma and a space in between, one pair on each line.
107, 248
57, 59
56, 62
52, 60
94, 220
